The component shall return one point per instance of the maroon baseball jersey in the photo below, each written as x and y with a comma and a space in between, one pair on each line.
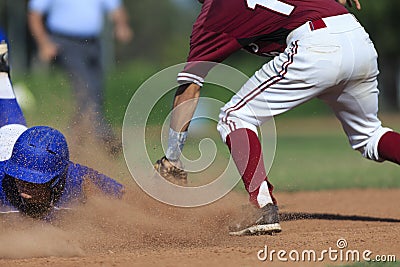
259, 26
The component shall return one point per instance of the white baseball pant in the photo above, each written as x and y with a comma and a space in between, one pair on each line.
337, 64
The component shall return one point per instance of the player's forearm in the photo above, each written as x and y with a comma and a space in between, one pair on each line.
38, 30
185, 104
106, 184
120, 19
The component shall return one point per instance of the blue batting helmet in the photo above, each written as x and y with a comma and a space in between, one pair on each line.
39, 155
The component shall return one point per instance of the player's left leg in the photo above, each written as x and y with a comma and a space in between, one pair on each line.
246, 151
290, 79
10, 111
12, 121
240, 135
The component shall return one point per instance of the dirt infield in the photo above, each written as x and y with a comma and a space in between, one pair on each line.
139, 231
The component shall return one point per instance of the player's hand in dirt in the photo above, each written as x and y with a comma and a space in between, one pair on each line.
171, 171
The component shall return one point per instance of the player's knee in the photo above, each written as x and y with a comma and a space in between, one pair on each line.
369, 149
229, 122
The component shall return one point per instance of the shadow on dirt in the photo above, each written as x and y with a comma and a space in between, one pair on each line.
294, 216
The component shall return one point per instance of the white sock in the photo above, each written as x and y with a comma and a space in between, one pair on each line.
264, 197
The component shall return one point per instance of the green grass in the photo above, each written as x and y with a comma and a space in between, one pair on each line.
53, 101
121, 84
326, 162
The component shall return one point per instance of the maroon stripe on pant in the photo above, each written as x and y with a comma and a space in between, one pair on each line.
264, 86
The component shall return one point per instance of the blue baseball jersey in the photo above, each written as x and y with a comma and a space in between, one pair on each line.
73, 189
10, 111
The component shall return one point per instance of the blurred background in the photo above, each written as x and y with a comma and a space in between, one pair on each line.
162, 30
161, 36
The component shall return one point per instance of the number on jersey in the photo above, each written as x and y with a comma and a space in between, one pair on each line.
274, 5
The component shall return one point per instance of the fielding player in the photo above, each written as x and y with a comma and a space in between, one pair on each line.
36, 175
320, 51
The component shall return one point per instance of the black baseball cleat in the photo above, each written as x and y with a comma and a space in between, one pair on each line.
264, 221
171, 171
4, 66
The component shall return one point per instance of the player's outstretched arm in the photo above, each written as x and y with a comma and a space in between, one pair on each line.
106, 184
185, 104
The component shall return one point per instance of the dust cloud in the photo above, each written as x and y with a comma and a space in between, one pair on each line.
106, 225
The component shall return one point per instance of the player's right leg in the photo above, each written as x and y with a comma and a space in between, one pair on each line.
356, 108
356, 103
389, 147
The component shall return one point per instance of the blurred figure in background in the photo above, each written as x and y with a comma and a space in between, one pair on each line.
68, 32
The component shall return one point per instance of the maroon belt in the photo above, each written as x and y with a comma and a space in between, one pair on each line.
317, 24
